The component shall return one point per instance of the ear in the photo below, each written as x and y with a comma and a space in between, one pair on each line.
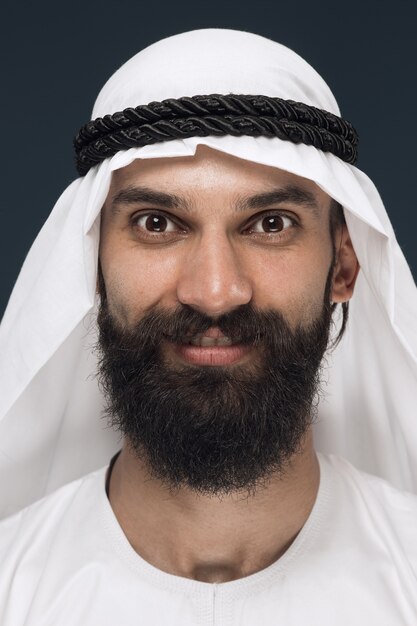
346, 267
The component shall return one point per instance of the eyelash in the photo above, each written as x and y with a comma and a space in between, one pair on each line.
280, 234
135, 218
166, 235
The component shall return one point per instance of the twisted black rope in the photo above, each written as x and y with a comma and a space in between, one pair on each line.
202, 116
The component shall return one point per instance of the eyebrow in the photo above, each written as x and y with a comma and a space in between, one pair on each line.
289, 194
135, 195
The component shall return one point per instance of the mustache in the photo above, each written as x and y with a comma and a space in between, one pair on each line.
245, 325
242, 325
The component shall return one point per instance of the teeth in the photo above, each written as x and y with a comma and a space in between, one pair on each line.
211, 341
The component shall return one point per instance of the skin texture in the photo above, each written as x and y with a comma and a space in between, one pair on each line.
216, 256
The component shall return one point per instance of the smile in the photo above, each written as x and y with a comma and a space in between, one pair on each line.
210, 347
214, 354
206, 342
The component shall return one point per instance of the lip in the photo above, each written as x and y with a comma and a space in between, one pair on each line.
212, 355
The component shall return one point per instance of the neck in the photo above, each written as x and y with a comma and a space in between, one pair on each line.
207, 538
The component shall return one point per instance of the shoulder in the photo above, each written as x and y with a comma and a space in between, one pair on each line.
38, 542
37, 523
381, 488
390, 512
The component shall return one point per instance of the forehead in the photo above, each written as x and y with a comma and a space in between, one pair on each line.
210, 172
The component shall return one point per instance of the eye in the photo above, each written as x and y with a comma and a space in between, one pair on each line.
154, 223
271, 224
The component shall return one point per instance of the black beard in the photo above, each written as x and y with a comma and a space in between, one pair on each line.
213, 429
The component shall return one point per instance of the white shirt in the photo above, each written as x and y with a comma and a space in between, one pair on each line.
66, 561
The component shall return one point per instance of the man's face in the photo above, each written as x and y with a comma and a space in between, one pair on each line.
214, 232
216, 286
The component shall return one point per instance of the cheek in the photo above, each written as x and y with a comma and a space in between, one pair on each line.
137, 282
291, 282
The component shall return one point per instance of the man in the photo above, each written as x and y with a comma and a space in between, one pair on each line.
219, 273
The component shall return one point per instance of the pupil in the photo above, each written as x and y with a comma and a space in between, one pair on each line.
272, 224
156, 223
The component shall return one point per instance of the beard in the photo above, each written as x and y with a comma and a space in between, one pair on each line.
213, 429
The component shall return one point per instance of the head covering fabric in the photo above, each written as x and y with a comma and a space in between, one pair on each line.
51, 425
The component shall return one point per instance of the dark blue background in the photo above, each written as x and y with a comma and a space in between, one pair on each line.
55, 57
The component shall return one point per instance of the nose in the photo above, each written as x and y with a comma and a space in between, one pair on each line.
212, 278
